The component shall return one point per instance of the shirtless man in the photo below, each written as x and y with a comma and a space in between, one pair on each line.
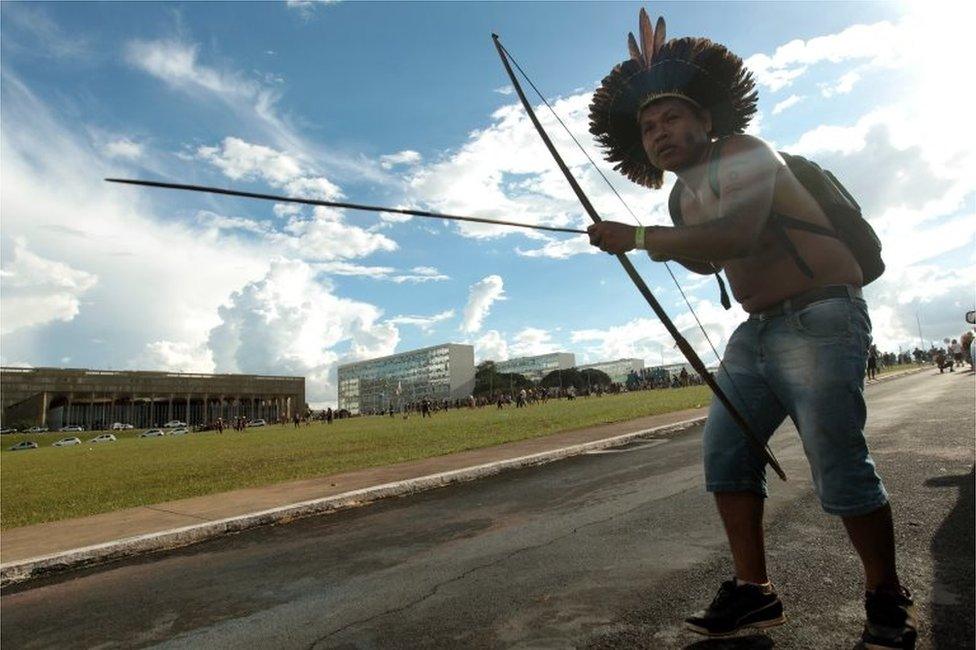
802, 351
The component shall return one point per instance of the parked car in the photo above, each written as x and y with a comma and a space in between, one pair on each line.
257, 423
152, 433
121, 426
72, 427
67, 442
105, 437
37, 430
174, 424
26, 444
179, 431
8, 430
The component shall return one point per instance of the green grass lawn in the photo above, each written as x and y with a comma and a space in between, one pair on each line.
49, 483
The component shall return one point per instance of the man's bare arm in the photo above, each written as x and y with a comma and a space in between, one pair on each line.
747, 180
695, 266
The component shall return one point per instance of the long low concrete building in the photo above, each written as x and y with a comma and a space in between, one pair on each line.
56, 397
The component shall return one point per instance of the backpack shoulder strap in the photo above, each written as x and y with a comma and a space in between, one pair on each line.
713, 159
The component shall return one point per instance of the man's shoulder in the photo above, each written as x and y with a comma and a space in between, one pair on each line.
746, 148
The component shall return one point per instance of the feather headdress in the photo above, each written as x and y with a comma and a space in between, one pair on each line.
694, 69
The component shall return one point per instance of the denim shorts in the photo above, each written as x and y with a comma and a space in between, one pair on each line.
807, 364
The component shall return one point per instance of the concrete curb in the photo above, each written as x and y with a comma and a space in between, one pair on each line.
22, 570
896, 375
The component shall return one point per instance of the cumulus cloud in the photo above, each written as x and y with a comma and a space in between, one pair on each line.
38, 290
490, 346
177, 356
481, 296
531, 341
291, 322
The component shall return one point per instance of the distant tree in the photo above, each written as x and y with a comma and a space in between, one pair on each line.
488, 381
579, 379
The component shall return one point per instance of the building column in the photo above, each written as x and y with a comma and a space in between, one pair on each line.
91, 410
169, 409
187, 409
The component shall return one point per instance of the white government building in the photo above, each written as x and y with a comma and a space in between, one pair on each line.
618, 370
440, 372
537, 367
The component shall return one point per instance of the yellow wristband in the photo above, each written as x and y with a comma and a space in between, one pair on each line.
639, 238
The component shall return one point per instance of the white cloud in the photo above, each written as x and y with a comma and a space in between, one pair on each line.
881, 44
290, 322
123, 148
504, 90
405, 157
38, 290
481, 296
531, 341
177, 356
647, 338
792, 100
842, 86
490, 346
425, 323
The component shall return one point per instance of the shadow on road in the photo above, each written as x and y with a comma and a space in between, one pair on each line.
751, 642
952, 553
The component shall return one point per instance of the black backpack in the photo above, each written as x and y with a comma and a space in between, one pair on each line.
849, 225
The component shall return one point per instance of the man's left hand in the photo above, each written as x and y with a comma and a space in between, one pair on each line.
612, 237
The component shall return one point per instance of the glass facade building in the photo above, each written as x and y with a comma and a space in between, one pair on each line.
537, 367
617, 370
437, 373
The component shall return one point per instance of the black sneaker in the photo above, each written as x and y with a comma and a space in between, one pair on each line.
890, 620
736, 607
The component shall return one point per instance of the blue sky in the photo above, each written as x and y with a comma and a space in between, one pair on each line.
406, 104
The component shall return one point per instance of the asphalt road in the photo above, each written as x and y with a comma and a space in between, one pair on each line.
606, 550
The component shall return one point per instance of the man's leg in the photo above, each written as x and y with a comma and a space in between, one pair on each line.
873, 536
742, 516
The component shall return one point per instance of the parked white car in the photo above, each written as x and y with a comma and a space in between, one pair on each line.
37, 430
8, 430
174, 424
67, 442
179, 431
26, 444
121, 426
72, 427
152, 433
257, 423
105, 437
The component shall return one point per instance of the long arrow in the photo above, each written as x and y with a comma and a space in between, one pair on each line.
758, 446
335, 204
